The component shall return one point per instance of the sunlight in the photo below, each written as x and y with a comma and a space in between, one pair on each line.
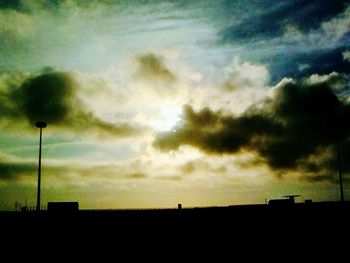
169, 116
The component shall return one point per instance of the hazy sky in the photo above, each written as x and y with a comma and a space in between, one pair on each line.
155, 103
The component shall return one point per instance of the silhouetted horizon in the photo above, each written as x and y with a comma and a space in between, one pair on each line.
279, 202
159, 103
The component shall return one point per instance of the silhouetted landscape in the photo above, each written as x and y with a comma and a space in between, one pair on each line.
158, 103
290, 218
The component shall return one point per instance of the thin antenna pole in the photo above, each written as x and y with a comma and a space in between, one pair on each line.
39, 174
340, 175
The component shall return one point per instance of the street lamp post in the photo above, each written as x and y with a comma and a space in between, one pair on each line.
340, 174
41, 125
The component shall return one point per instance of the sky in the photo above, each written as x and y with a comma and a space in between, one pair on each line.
154, 103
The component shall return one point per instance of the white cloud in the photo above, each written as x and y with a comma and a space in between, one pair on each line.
338, 26
17, 25
242, 74
316, 78
331, 31
336, 80
292, 34
327, 35
302, 67
346, 55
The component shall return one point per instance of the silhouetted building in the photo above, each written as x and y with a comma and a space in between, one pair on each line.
62, 207
289, 200
291, 197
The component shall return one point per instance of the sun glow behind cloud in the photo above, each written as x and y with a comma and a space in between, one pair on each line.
170, 116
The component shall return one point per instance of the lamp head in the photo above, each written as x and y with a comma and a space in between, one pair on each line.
41, 124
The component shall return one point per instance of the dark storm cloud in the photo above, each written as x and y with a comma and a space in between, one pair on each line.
11, 4
47, 97
326, 168
329, 161
216, 133
151, 66
52, 97
12, 171
271, 20
284, 130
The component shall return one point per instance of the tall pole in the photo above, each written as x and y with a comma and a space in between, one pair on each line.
40, 125
340, 175
39, 174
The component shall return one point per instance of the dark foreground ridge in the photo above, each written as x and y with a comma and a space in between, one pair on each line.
227, 230
284, 217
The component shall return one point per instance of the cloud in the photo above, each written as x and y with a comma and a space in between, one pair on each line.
257, 25
47, 97
170, 177
15, 4
7, 106
13, 170
337, 27
285, 129
320, 61
15, 26
137, 176
346, 55
188, 168
325, 168
201, 166
337, 81
53, 97
86, 122
294, 42
214, 132
152, 67
302, 67
325, 160
241, 74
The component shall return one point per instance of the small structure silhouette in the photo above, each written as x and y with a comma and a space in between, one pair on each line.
291, 197
288, 200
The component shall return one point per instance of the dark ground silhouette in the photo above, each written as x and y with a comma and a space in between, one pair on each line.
239, 218
277, 231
